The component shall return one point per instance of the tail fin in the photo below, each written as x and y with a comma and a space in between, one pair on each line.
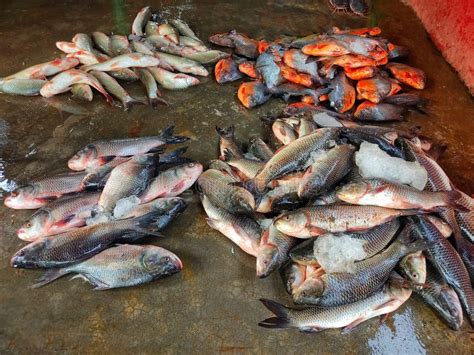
168, 136
452, 198
49, 276
228, 155
172, 156
226, 132
281, 320
130, 101
155, 101
147, 224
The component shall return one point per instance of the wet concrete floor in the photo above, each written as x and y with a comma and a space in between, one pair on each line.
212, 305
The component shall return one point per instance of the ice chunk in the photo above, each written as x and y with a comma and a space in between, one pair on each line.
375, 163
323, 119
337, 253
99, 218
125, 205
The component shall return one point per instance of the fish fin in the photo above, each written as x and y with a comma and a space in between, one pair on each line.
127, 105
46, 199
452, 198
437, 150
226, 132
106, 159
64, 221
173, 156
228, 155
249, 185
156, 101
350, 327
309, 329
178, 186
211, 223
168, 136
282, 315
49, 276
145, 224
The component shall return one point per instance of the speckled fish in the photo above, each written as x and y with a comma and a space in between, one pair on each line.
448, 262
377, 88
140, 20
173, 81
112, 86
41, 71
340, 288
295, 59
82, 92
377, 238
25, 87
273, 251
413, 77
267, 68
368, 111
128, 179
183, 65
119, 45
227, 142
124, 61
342, 96
152, 91
326, 171
100, 152
253, 93
293, 156
242, 44
226, 71
102, 41
313, 221
39, 192
377, 192
59, 216
259, 149
172, 182
184, 29
218, 187
120, 266
442, 298
315, 319
284, 132
241, 230
63, 81
248, 68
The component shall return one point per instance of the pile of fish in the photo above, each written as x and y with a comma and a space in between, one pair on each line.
164, 52
341, 212
340, 68
121, 191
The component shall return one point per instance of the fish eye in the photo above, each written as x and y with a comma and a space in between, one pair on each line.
28, 225
191, 165
167, 258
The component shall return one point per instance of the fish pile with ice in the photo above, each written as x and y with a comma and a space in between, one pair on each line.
119, 192
356, 72
355, 219
158, 52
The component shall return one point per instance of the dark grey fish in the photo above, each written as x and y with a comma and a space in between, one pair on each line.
267, 67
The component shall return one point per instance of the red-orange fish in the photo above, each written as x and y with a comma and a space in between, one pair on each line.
248, 68
293, 76
360, 73
413, 77
253, 93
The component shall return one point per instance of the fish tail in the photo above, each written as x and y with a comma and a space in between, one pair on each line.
173, 156
156, 101
282, 319
451, 199
168, 136
226, 132
49, 276
130, 101
147, 224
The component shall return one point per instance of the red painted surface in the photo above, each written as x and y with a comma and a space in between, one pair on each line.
450, 23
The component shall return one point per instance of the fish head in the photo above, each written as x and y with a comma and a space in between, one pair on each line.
413, 267
449, 306
192, 170
293, 275
267, 259
353, 192
82, 159
309, 291
160, 262
222, 39
28, 256
35, 227
292, 223
304, 253
23, 198
243, 201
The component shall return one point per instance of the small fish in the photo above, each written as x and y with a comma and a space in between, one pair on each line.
360, 73
124, 61
170, 206
164, 44
242, 44
168, 32
273, 251
41, 71
100, 152
253, 93
83, 41
364, 46
376, 89
63, 81
259, 149
371, 31
183, 65
226, 71
153, 93
184, 29
407, 100
289, 90
248, 68
267, 68
59, 216
120, 266
25, 87
381, 193
186, 41
130, 178
119, 45
315, 319
295, 77
246, 168
284, 132
342, 96
326, 171
102, 41
219, 188
325, 48
208, 57
413, 77
369, 111
143, 16
241, 230
173, 81
39, 192
345, 61
67, 47
297, 60
112, 86
82, 92
313, 221
227, 142
172, 182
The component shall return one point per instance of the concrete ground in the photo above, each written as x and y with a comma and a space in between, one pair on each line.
212, 305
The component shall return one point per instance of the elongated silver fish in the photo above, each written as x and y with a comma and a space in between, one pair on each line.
25, 87
173, 81
143, 16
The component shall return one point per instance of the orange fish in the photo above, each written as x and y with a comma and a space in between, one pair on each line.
346, 61
226, 71
360, 73
248, 68
309, 99
408, 75
262, 46
253, 93
293, 76
371, 31
329, 48
376, 89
